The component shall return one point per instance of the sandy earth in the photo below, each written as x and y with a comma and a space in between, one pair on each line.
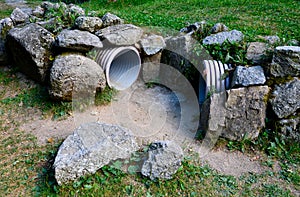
151, 114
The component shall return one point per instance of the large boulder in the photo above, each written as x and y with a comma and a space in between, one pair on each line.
121, 34
163, 160
285, 98
88, 23
220, 38
5, 25
77, 40
241, 115
248, 76
111, 19
30, 48
286, 61
92, 146
71, 74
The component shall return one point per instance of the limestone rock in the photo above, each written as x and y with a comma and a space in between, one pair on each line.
164, 159
18, 16
152, 44
286, 61
75, 10
5, 25
30, 48
121, 34
246, 112
77, 40
241, 115
92, 146
272, 39
218, 27
257, 53
220, 38
111, 19
247, 76
286, 98
38, 11
72, 74
91, 24
196, 27
290, 128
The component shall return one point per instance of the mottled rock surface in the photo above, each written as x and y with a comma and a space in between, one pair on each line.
152, 44
290, 128
78, 40
72, 74
121, 34
248, 76
87, 23
220, 38
218, 27
111, 19
285, 98
164, 159
241, 115
257, 53
286, 61
18, 16
30, 48
90, 147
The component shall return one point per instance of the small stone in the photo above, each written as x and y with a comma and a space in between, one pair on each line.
111, 19
121, 34
78, 40
290, 128
92, 146
285, 99
272, 39
164, 159
75, 10
18, 16
248, 76
38, 11
286, 61
87, 23
218, 27
152, 44
257, 53
220, 38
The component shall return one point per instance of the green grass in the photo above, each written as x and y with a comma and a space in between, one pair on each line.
255, 17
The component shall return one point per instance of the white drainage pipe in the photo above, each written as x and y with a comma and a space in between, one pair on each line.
213, 79
121, 66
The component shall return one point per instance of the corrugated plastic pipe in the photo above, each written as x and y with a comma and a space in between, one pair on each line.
121, 66
213, 79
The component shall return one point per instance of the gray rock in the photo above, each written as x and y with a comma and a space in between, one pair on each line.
30, 48
5, 25
91, 24
218, 27
220, 38
164, 159
121, 34
152, 44
285, 98
196, 27
290, 128
18, 16
75, 74
286, 61
111, 19
272, 39
248, 76
241, 115
38, 11
77, 40
257, 53
293, 42
92, 146
75, 10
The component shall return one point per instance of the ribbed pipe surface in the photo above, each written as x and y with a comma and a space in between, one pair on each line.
213, 79
121, 66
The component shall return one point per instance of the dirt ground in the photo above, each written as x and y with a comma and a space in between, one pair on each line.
151, 114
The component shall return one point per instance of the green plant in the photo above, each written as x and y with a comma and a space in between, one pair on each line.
106, 96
